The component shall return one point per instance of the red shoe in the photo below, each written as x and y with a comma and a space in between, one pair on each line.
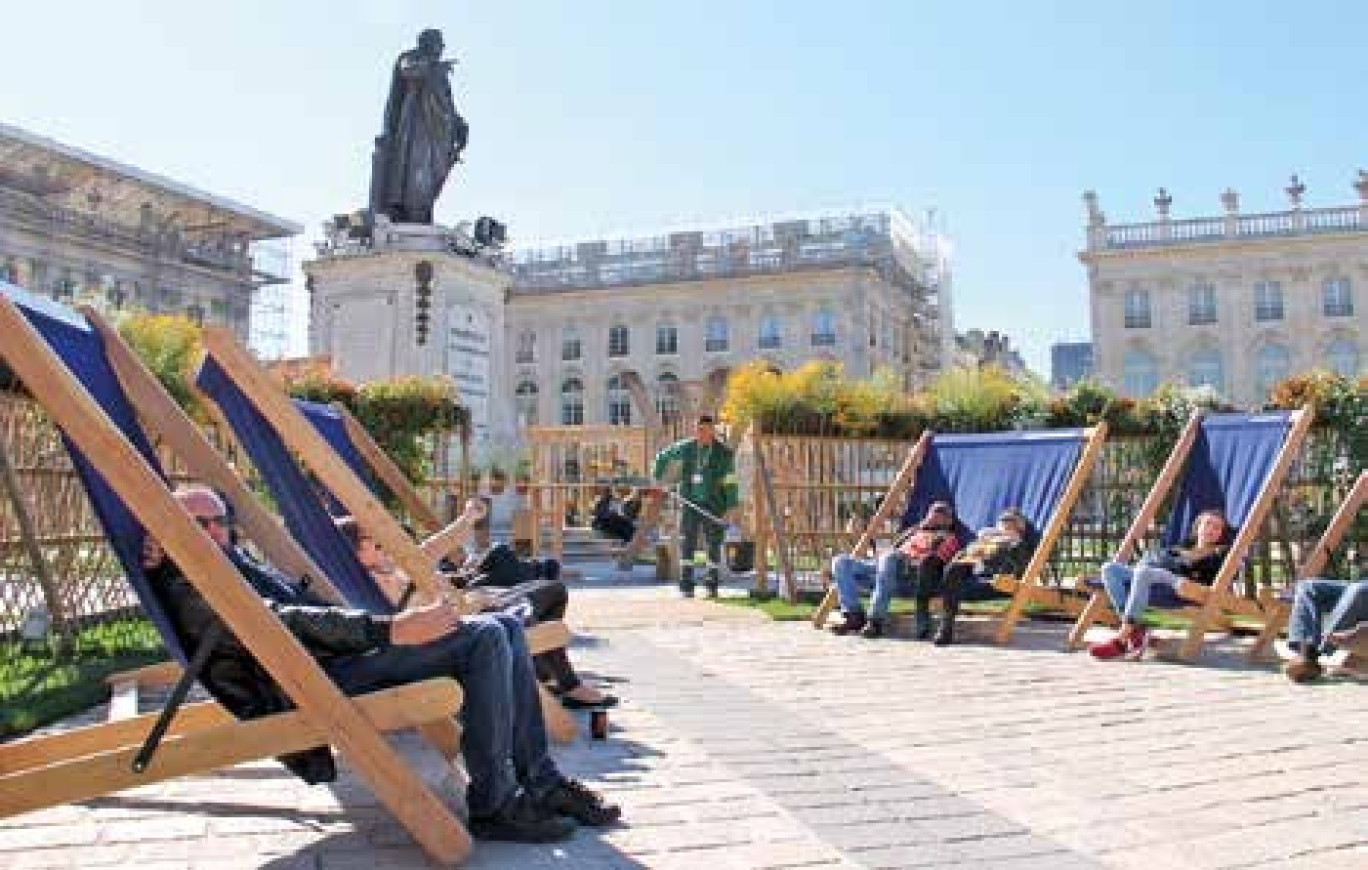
1108, 649
1139, 644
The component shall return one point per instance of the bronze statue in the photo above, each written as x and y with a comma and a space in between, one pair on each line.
423, 135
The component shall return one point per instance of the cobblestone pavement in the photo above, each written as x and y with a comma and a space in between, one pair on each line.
749, 744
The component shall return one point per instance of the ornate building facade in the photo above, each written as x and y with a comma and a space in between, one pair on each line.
79, 227
870, 290
1235, 302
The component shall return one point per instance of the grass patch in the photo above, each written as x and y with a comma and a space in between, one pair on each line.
41, 687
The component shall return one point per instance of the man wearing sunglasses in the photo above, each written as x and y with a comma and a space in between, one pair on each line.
516, 792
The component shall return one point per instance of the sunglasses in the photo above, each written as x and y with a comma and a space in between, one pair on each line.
221, 520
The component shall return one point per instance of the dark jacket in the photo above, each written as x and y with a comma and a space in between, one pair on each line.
233, 676
1198, 566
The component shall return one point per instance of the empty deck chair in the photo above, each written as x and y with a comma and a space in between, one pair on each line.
1234, 463
88, 381
273, 431
1042, 473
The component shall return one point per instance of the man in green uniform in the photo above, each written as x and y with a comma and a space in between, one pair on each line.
707, 477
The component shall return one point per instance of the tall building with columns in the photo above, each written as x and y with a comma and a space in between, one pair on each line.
1233, 301
868, 289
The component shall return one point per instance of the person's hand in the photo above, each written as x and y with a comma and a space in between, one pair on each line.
420, 625
152, 553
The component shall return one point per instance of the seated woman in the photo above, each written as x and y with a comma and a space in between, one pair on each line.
1005, 548
1198, 558
608, 520
920, 555
495, 565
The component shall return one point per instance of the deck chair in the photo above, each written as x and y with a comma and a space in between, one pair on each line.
1232, 462
90, 382
273, 431
1042, 473
1314, 562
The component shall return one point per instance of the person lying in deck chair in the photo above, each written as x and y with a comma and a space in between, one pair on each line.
494, 564
1005, 548
1309, 636
919, 555
1198, 558
516, 792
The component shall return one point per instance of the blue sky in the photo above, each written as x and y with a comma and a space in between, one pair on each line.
608, 117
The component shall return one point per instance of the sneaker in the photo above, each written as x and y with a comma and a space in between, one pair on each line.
1108, 649
572, 798
522, 820
850, 623
873, 629
686, 592
1138, 644
1302, 669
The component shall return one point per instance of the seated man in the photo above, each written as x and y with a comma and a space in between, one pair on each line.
1005, 548
1309, 637
516, 792
608, 521
492, 566
920, 554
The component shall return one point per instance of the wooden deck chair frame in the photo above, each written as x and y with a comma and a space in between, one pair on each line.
1213, 604
89, 762
299, 435
1314, 562
1025, 589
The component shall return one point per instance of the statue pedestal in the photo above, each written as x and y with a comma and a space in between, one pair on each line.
407, 304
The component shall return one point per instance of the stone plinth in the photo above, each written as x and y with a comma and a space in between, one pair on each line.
366, 303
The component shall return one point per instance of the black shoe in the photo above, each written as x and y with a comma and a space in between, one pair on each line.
945, 635
522, 820
572, 703
572, 798
874, 628
712, 590
851, 623
686, 591
924, 625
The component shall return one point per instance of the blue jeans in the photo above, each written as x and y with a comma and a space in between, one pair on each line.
1128, 587
1347, 604
504, 739
852, 576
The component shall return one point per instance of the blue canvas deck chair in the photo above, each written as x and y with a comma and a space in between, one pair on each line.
90, 383
278, 437
1234, 463
1315, 561
1041, 473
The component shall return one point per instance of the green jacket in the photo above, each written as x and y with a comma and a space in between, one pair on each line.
707, 475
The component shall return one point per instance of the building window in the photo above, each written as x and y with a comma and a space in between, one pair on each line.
667, 339
1137, 309
771, 333
527, 347
717, 337
525, 401
1338, 300
1343, 357
570, 344
667, 398
823, 329
1205, 370
1201, 304
1273, 364
619, 402
1268, 301
619, 341
572, 402
1141, 375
